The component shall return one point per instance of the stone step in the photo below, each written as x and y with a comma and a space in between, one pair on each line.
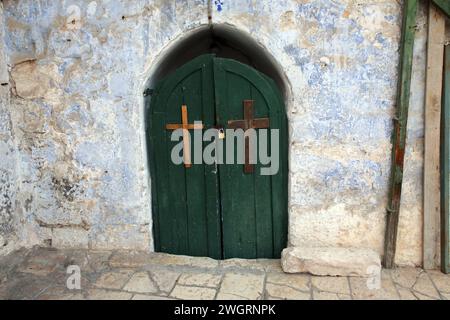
331, 261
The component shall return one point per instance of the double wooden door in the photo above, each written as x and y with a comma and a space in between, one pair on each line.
217, 210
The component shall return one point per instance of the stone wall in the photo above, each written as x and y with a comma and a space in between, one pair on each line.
8, 160
341, 59
78, 69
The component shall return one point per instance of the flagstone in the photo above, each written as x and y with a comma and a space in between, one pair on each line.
331, 284
323, 295
296, 281
441, 280
148, 297
113, 279
406, 294
141, 282
192, 293
286, 293
61, 293
164, 279
247, 286
100, 294
129, 259
200, 279
405, 277
425, 287
374, 289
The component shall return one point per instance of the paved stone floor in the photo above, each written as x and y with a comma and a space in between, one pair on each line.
41, 273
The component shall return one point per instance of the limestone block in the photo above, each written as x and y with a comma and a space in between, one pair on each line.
331, 261
31, 80
70, 238
4, 76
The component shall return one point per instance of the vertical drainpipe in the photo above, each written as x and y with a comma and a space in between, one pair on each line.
399, 133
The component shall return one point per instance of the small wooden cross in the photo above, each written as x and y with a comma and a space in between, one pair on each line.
186, 137
249, 123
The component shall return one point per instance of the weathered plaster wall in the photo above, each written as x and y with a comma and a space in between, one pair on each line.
78, 73
78, 70
341, 58
8, 176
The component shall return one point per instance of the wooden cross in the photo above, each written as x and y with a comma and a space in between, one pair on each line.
186, 137
249, 123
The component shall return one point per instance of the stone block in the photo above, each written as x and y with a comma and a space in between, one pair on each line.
331, 261
70, 238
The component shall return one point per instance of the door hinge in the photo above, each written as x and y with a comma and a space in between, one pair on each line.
148, 92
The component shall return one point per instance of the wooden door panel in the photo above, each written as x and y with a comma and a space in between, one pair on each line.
251, 202
236, 188
216, 210
186, 209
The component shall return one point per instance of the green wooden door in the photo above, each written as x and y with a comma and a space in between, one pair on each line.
216, 210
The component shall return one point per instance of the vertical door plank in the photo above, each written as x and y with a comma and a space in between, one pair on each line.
177, 207
445, 227
212, 196
280, 193
435, 61
195, 177
151, 162
161, 216
237, 188
263, 185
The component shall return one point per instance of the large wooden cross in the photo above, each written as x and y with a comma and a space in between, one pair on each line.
249, 123
185, 125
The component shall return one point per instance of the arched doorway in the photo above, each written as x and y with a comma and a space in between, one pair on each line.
218, 211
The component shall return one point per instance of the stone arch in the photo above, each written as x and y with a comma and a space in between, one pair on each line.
224, 40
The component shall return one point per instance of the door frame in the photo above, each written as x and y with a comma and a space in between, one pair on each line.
445, 162
164, 87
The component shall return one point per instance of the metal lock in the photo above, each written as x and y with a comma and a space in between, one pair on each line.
221, 133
